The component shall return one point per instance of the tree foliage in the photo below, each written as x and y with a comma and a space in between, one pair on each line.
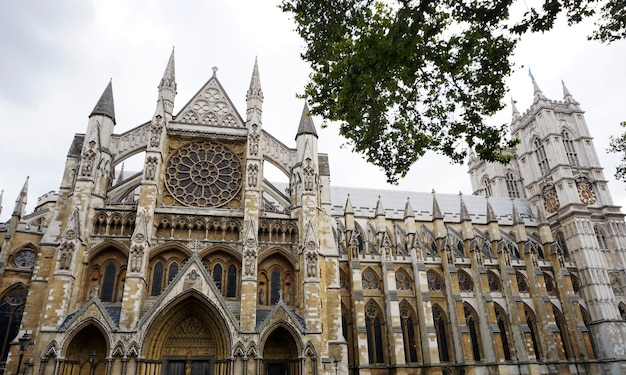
403, 77
618, 145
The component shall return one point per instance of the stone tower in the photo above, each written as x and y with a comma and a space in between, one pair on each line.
558, 167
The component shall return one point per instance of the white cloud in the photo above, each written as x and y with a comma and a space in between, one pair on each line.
59, 56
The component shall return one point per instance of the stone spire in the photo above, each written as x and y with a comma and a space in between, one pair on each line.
408, 209
105, 105
120, 177
491, 215
380, 210
464, 213
20, 202
567, 96
306, 123
516, 114
517, 218
167, 86
436, 210
538, 94
348, 209
254, 97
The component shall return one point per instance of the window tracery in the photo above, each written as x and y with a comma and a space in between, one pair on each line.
511, 185
435, 283
370, 280
494, 282
374, 329
570, 150
522, 283
465, 281
403, 281
11, 310
204, 174
411, 340
542, 158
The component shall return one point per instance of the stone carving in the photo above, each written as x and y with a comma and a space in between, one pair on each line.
66, 255
311, 268
155, 131
136, 258
89, 157
253, 172
151, 166
254, 141
616, 283
310, 179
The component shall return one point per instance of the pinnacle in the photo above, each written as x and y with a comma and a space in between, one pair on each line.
105, 106
306, 123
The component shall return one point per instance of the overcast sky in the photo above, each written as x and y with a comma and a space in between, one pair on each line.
58, 56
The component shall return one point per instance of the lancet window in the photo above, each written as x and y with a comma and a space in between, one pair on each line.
570, 150
375, 334
542, 158
409, 329
443, 333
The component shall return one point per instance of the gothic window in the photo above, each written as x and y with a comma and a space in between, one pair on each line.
25, 258
542, 158
512, 249
622, 311
217, 276
503, 325
522, 283
570, 150
370, 280
410, 339
157, 279
442, 333
601, 238
374, 330
435, 284
471, 319
275, 286
172, 272
231, 280
403, 281
560, 240
511, 185
576, 285
11, 310
108, 283
531, 321
560, 323
487, 185
550, 286
343, 280
494, 282
465, 281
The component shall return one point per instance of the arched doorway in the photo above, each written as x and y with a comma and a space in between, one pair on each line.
187, 338
280, 354
86, 353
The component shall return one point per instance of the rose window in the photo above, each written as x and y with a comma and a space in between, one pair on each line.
203, 174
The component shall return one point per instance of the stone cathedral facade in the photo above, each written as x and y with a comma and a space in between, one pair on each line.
198, 265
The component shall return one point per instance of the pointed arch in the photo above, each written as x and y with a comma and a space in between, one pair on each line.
570, 149
531, 322
12, 303
504, 325
512, 187
442, 331
466, 284
564, 333
522, 282
371, 279
403, 280
472, 322
494, 282
86, 349
376, 333
542, 157
281, 348
190, 323
410, 332
435, 281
